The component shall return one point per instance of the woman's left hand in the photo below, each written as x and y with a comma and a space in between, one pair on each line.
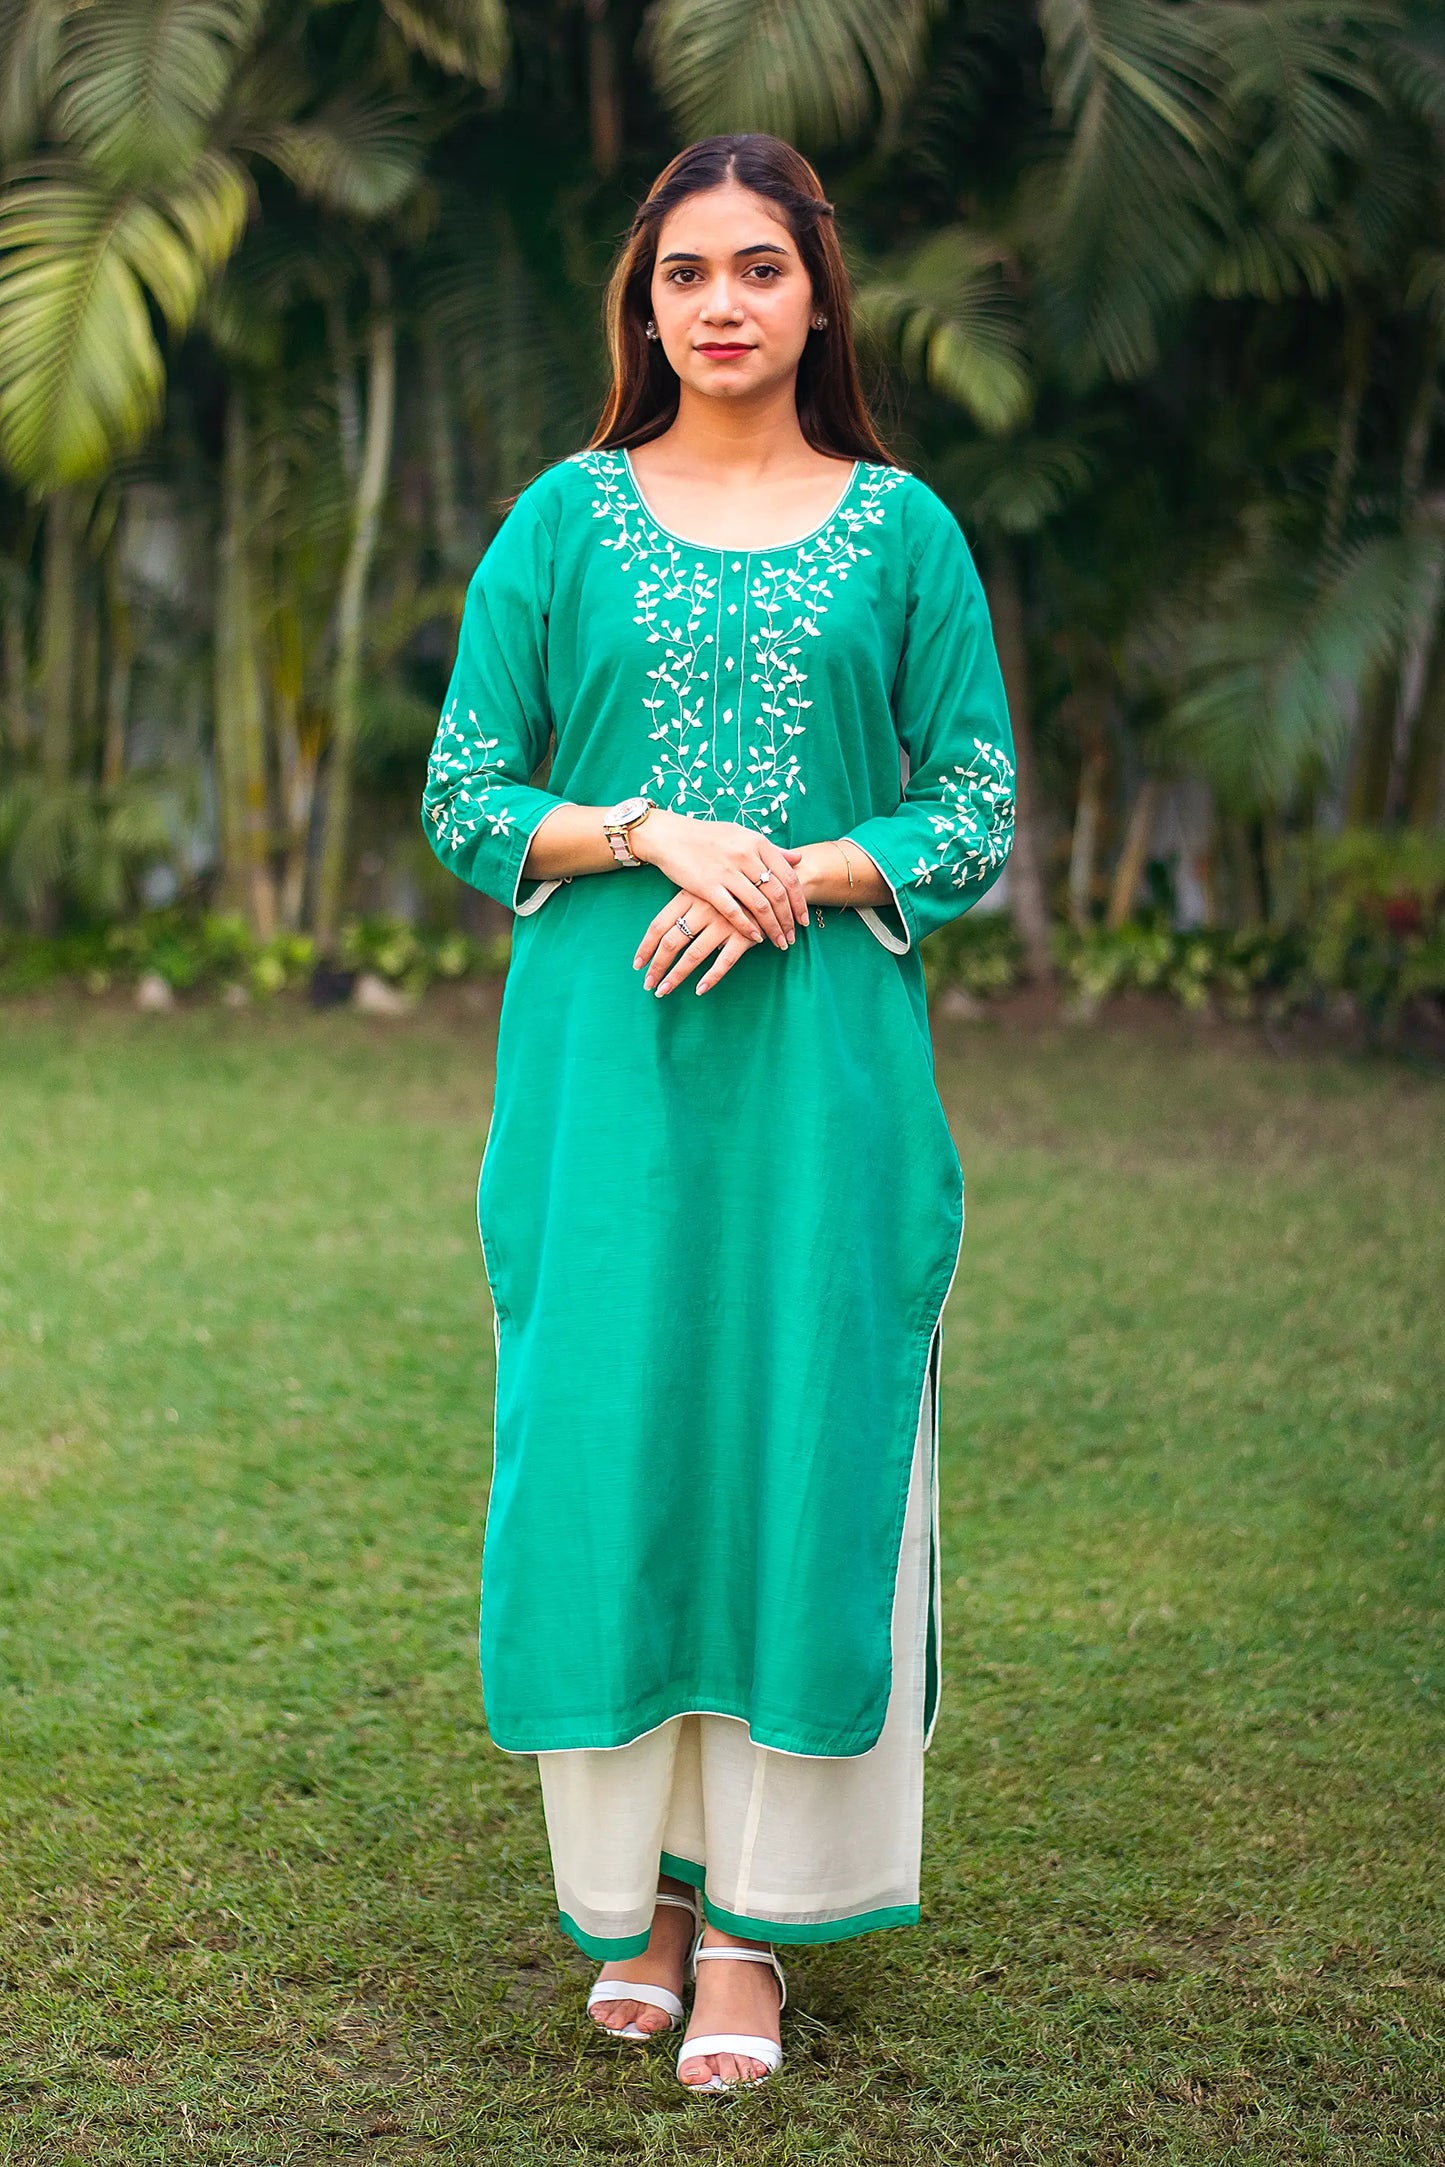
684, 934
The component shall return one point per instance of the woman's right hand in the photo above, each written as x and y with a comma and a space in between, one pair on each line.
751, 881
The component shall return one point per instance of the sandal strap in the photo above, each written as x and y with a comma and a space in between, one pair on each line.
653, 1997
678, 1903
743, 2044
700, 1955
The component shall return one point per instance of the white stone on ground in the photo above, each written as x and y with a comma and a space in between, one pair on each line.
374, 997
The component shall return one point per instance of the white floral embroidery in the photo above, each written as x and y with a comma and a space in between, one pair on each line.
974, 829
723, 749
464, 771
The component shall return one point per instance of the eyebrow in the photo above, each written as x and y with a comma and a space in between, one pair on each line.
758, 248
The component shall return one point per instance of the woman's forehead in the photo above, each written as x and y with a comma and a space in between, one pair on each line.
726, 221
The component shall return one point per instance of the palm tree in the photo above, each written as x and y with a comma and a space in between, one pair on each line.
143, 128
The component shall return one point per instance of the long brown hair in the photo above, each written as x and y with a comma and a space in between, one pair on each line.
832, 411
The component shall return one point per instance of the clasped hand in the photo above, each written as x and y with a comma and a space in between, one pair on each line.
734, 889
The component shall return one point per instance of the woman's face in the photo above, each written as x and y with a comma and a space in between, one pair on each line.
730, 296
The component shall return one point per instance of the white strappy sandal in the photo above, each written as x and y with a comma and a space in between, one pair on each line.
743, 2044
652, 1997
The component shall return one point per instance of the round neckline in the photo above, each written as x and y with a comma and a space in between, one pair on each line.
737, 549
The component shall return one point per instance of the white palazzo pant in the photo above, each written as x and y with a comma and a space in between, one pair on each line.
785, 1847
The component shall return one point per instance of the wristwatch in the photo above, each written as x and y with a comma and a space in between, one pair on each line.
617, 826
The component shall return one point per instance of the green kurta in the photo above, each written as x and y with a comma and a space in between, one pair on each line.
718, 1231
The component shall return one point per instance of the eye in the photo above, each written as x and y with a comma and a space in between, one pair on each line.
765, 273
681, 274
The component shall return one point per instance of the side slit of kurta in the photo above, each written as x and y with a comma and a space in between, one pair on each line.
783, 1847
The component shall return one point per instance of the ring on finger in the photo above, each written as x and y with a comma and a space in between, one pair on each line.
683, 926
764, 877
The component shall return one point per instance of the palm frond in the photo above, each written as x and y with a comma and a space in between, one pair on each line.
393, 627
970, 57
244, 314
503, 316
1390, 202
1301, 80
29, 48
1426, 288
812, 70
140, 820
393, 721
464, 37
46, 830
1276, 260
1272, 675
358, 155
1131, 206
1412, 62
81, 376
1015, 487
948, 310
139, 83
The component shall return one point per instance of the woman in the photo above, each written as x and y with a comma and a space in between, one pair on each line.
719, 1237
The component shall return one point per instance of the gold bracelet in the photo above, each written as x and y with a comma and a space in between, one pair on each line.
848, 863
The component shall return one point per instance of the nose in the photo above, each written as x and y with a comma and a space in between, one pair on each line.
720, 302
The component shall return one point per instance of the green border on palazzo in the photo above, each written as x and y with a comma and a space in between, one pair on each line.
607, 1950
734, 1922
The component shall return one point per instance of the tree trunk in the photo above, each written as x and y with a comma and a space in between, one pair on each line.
1084, 851
240, 699
1426, 758
348, 407
604, 103
1357, 344
1134, 855
120, 658
1258, 837
1028, 903
15, 670
1375, 748
87, 669
351, 606
1421, 425
1090, 707
441, 455
59, 622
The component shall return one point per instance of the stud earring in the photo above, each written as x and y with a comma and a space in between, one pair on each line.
820, 322
651, 328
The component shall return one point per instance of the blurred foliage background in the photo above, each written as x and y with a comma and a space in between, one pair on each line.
292, 296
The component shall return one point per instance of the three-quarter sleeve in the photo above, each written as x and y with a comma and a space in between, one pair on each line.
480, 809
950, 835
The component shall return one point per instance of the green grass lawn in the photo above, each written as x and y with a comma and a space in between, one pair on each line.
266, 1892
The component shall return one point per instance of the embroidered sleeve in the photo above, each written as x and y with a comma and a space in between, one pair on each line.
479, 809
952, 831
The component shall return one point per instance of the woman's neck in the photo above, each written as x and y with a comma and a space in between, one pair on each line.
742, 439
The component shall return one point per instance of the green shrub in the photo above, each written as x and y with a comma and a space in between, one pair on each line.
203, 955
1378, 930
979, 952
1374, 941
407, 957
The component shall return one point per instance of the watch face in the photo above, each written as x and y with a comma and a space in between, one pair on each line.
630, 809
